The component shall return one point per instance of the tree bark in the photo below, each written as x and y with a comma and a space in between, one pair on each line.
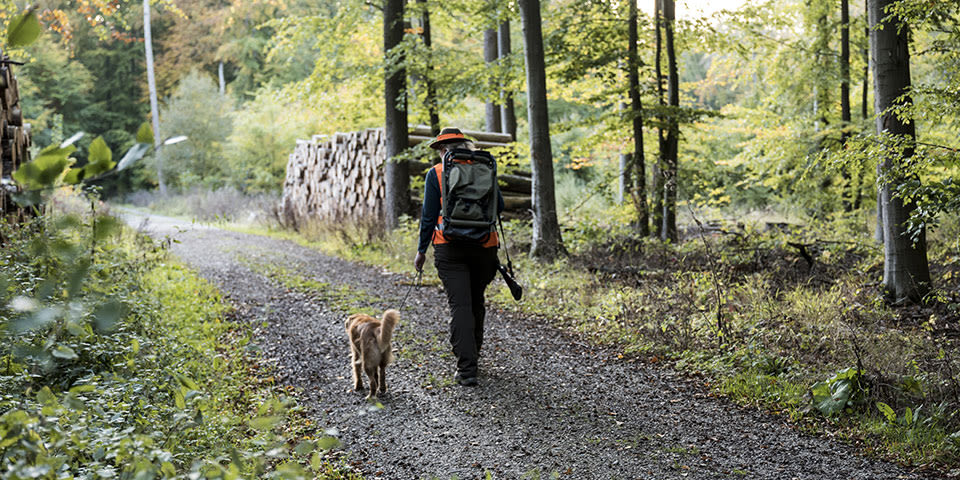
547, 244
221, 79
656, 217
906, 274
431, 100
670, 155
508, 115
152, 86
490, 53
845, 98
864, 107
396, 173
858, 197
638, 184
626, 168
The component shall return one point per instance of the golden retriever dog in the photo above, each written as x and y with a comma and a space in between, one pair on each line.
370, 349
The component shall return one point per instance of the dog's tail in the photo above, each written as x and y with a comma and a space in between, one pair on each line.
348, 321
389, 321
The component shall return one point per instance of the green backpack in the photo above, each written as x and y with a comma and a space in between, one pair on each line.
469, 194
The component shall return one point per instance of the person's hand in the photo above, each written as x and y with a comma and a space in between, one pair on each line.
419, 260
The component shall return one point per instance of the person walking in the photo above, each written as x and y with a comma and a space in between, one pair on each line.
465, 267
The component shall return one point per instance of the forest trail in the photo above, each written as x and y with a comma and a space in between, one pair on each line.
548, 404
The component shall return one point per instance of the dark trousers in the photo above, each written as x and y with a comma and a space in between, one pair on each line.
465, 272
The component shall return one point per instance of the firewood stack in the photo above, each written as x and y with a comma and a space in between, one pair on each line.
339, 178
14, 137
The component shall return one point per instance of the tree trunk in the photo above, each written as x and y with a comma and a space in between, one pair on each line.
508, 115
222, 80
626, 159
845, 98
152, 86
626, 165
490, 53
858, 195
638, 186
547, 244
673, 129
906, 274
656, 217
431, 101
864, 107
396, 176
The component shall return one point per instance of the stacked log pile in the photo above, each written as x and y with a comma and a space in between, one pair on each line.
14, 137
339, 178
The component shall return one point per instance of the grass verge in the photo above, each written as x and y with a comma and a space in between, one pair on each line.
117, 362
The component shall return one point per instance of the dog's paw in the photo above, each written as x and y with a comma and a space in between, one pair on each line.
358, 387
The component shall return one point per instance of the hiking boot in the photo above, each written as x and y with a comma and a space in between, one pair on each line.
466, 381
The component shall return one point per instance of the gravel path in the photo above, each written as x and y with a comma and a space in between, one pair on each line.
548, 405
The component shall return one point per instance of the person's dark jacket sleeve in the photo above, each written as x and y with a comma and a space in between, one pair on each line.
431, 210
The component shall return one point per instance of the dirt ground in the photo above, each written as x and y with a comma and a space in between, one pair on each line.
549, 404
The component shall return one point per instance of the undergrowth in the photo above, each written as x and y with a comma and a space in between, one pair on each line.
115, 362
784, 316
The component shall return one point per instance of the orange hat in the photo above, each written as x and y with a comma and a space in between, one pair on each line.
447, 135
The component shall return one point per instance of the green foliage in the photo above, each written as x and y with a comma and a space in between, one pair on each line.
23, 29
51, 166
832, 396
199, 111
118, 362
264, 132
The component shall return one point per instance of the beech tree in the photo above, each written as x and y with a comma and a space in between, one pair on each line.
637, 183
671, 142
508, 115
491, 51
656, 211
547, 244
430, 101
906, 274
396, 173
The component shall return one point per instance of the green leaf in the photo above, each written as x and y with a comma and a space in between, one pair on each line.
75, 329
910, 385
887, 412
304, 448
135, 153
34, 321
186, 381
908, 416
326, 443
99, 151
64, 352
178, 399
100, 159
840, 392
46, 397
83, 388
264, 423
23, 30
44, 170
74, 176
106, 315
145, 134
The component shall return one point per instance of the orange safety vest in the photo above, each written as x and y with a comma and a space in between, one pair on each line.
438, 239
